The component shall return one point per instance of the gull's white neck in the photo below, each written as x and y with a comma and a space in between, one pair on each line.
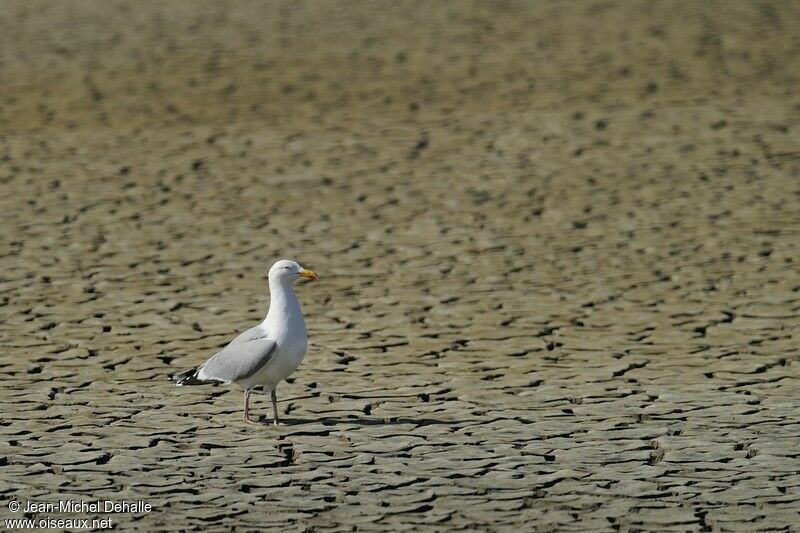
284, 309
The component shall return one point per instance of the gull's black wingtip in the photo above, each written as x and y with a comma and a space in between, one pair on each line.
186, 378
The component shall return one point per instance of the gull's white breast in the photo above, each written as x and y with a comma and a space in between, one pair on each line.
290, 350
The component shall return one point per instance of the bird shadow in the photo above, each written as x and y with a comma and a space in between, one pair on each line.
365, 421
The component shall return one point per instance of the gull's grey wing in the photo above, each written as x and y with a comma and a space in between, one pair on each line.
238, 360
250, 335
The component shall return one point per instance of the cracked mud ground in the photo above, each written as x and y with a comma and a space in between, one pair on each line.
558, 244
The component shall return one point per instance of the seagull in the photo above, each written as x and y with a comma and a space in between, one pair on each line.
266, 354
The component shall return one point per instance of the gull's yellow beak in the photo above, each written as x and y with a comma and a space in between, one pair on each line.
310, 274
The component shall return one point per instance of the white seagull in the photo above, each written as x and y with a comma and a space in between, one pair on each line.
266, 354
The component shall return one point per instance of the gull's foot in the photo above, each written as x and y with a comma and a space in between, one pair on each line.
256, 422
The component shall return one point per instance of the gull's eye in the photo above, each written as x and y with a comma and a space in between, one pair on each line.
287, 268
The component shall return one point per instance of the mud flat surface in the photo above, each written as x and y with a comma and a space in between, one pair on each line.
558, 244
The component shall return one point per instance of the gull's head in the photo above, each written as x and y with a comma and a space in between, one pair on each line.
288, 271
